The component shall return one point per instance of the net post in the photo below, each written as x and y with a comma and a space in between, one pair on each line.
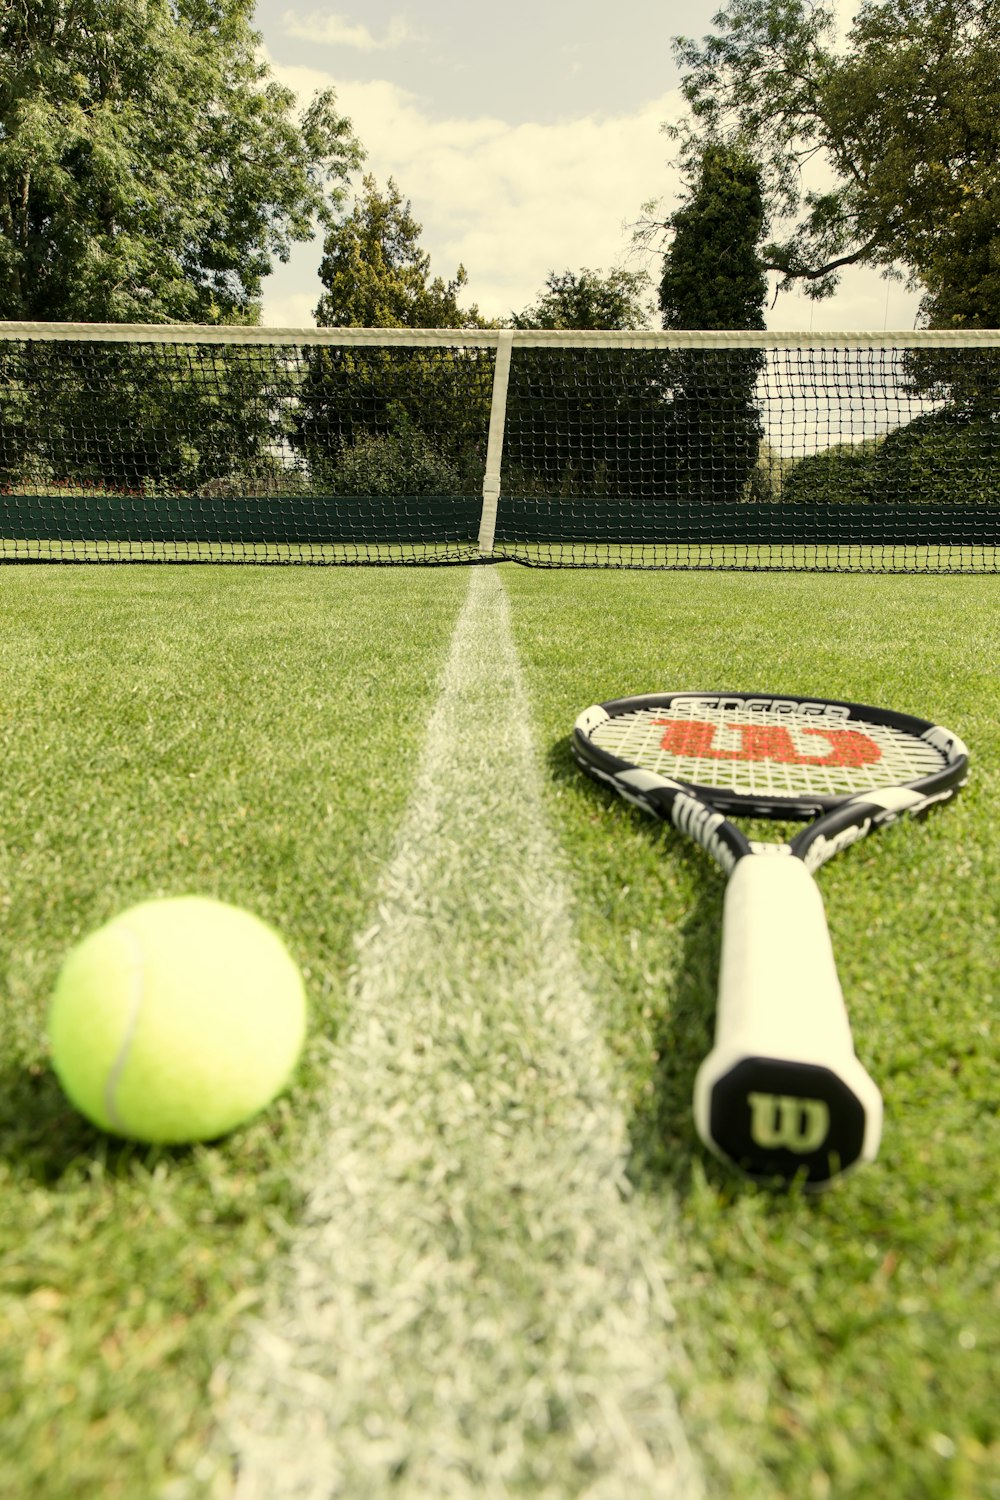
494, 447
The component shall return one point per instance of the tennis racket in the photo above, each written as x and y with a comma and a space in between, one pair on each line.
781, 1095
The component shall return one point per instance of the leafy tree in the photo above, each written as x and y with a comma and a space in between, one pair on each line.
149, 167
713, 278
149, 171
377, 276
839, 475
905, 120
589, 300
375, 420
946, 457
132, 418
404, 462
578, 420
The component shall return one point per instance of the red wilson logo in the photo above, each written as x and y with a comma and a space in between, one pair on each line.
833, 747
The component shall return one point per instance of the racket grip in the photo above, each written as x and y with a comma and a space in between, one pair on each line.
782, 1093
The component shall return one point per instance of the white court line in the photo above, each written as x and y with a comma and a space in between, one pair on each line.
474, 1308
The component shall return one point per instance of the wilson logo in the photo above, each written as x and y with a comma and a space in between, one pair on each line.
774, 742
799, 1125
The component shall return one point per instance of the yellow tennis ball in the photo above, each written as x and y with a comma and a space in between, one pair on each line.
177, 1021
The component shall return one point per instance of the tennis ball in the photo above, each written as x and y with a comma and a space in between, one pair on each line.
176, 1021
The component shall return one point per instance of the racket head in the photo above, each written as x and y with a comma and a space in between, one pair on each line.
766, 754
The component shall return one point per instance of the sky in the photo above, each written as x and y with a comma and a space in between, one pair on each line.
527, 137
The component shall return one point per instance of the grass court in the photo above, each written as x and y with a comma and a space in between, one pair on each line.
261, 735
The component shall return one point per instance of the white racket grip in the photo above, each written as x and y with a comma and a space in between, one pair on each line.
779, 997
779, 993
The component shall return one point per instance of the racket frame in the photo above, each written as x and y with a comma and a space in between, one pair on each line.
770, 1044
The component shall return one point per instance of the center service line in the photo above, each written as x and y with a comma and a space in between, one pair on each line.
473, 1308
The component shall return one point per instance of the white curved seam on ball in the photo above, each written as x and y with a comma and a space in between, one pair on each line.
136, 996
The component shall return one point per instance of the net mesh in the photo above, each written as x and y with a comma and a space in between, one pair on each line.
853, 452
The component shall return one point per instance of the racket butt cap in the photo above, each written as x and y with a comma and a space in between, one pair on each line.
781, 1120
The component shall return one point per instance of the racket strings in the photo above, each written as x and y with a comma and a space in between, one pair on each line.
767, 754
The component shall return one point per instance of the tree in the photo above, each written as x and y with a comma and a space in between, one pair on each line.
588, 300
149, 166
378, 420
132, 418
905, 122
943, 458
578, 420
149, 171
377, 276
713, 278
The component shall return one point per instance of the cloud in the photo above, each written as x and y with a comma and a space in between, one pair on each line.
339, 31
510, 202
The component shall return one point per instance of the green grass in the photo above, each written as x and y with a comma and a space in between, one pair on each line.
849, 1343
473, 1312
252, 734
248, 734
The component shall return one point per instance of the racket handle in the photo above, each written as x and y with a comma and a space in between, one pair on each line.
782, 1094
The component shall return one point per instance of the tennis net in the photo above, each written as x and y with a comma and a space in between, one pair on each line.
860, 452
